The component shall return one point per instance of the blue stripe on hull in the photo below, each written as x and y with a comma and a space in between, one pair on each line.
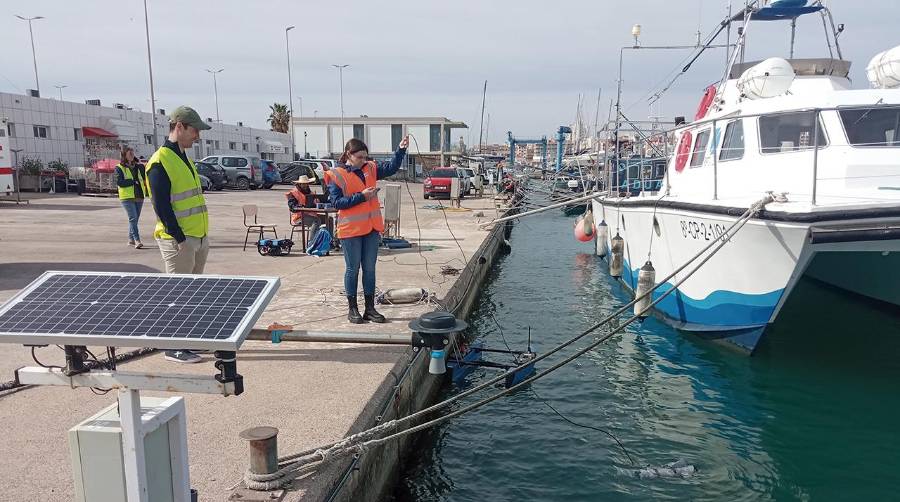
739, 318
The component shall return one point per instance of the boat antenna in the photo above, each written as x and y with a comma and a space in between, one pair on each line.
529, 338
481, 130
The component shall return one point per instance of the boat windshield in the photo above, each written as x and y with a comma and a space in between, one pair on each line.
873, 127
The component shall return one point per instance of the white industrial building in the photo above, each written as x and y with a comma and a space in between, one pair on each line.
321, 136
81, 133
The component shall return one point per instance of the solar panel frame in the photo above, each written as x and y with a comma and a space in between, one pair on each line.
115, 315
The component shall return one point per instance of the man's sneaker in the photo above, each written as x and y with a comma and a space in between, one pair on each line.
182, 356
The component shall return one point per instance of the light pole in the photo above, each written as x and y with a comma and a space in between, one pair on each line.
304, 145
340, 68
287, 45
15, 152
150, 68
216, 90
60, 87
37, 83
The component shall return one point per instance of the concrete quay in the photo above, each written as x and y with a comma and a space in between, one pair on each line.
314, 393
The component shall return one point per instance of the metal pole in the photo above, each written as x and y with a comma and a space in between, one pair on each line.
793, 35
18, 183
216, 90
815, 155
37, 83
287, 46
133, 445
150, 68
481, 125
60, 87
340, 68
715, 149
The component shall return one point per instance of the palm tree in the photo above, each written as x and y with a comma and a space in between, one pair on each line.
279, 118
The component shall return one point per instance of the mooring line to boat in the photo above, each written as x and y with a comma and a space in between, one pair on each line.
308, 460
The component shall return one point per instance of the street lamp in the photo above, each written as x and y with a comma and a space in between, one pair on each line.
304, 145
60, 87
340, 68
37, 83
287, 45
15, 152
150, 68
216, 90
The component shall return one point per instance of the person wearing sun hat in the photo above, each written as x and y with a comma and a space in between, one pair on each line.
182, 221
300, 197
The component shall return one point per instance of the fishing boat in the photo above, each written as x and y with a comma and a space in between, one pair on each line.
794, 129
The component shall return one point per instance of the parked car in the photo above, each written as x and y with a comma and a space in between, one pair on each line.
325, 164
271, 175
242, 171
291, 172
470, 174
205, 183
216, 175
438, 182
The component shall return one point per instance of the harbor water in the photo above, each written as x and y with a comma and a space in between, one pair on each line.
811, 416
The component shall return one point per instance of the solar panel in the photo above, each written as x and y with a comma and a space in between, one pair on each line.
163, 311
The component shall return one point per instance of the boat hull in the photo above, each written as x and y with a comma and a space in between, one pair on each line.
739, 292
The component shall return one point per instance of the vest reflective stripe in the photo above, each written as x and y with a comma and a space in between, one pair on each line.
364, 217
127, 193
186, 195
187, 212
175, 197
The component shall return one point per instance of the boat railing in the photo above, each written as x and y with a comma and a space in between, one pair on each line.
649, 143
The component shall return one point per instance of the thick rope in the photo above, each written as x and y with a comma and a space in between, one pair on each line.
311, 459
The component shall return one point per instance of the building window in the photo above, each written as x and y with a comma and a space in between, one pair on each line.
244, 146
148, 139
232, 145
217, 144
209, 142
11, 129
359, 132
435, 133
396, 134
733, 143
76, 134
41, 131
789, 132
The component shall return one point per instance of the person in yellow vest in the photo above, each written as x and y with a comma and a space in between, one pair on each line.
352, 191
182, 223
132, 184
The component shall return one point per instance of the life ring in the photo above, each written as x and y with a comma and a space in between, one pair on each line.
684, 150
708, 96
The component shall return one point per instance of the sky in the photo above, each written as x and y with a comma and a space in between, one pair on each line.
406, 57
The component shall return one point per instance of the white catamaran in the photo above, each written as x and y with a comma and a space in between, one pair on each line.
784, 126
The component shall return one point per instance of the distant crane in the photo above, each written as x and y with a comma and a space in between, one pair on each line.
560, 144
519, 141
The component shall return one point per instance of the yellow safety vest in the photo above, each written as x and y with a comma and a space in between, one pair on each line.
186, 195
127, 193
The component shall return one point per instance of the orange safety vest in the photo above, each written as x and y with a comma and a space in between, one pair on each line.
301, 198
364, 217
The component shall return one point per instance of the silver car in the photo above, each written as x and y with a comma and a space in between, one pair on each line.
241, 171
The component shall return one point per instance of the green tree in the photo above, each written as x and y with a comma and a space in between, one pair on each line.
280, 117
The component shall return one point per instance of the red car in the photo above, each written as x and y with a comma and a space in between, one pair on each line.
438, 182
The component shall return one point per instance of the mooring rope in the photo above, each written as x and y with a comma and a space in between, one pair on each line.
306, 461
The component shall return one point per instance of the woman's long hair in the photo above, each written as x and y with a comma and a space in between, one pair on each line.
125, 150
352, 146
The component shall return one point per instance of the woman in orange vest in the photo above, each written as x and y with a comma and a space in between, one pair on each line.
352, 191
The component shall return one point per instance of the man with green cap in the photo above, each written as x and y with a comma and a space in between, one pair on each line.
182, 222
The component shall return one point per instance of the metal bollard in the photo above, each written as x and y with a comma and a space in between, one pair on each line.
263, 449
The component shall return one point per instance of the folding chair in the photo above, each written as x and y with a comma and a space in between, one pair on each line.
255, 226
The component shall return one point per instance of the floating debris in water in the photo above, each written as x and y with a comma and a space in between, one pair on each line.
678, 469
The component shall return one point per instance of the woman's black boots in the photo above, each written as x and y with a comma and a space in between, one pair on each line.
353, 315
371, 314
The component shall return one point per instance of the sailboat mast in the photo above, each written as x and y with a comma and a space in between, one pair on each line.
481, 130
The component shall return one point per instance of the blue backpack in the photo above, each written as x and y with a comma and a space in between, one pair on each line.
320, 244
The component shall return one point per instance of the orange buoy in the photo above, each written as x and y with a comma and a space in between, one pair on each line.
584, 231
